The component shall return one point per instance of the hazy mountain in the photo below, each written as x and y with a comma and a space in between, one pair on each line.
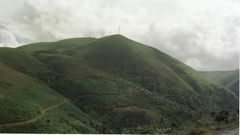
228, 79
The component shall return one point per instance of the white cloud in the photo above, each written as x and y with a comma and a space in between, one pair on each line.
202, 33
8, 39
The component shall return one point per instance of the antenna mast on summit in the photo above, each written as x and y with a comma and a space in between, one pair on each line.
119, 30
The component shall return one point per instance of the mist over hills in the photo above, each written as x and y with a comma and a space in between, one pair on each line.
112, 85
228, 79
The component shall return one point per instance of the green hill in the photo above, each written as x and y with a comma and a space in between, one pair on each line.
228, 79
22, 97
117, 85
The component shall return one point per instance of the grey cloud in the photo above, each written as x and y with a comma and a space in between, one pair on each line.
38, 25
204, 36
186, 46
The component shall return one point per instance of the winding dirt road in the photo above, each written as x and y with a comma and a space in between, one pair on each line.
36, 118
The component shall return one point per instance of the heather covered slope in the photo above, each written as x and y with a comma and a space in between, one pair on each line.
124, 86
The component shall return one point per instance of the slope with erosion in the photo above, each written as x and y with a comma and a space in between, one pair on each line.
115, 73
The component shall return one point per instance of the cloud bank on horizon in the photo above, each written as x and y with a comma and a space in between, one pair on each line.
204, 34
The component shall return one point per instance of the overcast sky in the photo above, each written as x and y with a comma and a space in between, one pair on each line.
204, 34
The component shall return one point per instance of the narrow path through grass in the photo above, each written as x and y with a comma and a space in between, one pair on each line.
36, 118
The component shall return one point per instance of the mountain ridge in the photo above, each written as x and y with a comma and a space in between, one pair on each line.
113, 79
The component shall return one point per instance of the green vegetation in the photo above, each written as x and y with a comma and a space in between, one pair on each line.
22, 97
115, 85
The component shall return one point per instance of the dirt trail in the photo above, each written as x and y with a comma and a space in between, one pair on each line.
36, 118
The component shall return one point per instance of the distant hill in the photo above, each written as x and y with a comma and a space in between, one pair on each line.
228, 79
113, 85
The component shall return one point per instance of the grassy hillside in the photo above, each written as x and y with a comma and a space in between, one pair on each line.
228, 79
117, 85
22, 97
21, 61
58, 46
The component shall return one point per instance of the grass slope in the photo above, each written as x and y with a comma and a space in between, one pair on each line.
23, 97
